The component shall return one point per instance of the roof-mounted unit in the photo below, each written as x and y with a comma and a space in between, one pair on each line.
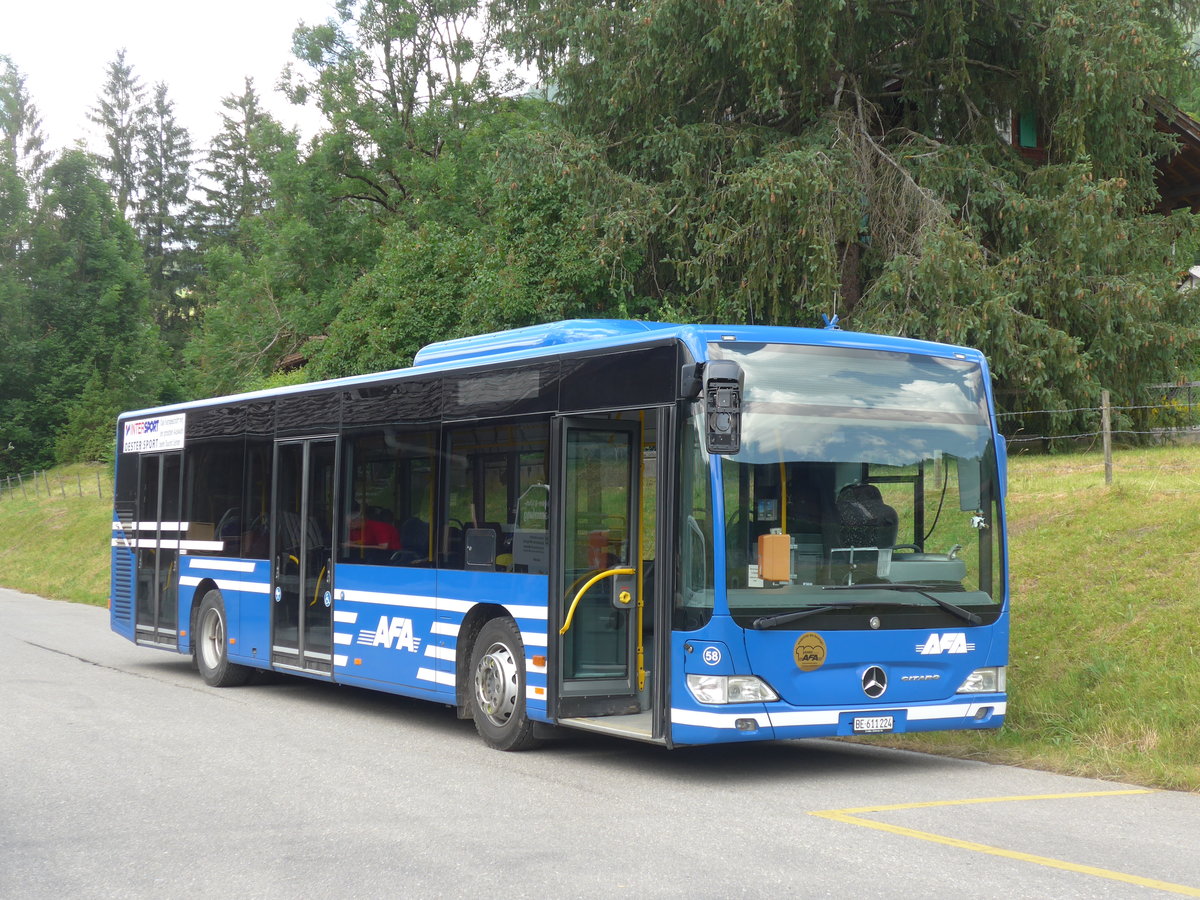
534, 337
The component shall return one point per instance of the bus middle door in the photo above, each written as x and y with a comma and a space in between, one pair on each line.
302, 534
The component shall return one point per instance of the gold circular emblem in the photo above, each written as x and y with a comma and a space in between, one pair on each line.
809, 652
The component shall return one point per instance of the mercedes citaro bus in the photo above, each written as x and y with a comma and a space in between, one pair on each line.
680, 534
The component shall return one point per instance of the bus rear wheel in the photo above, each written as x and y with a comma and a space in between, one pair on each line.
212, 645
498, 687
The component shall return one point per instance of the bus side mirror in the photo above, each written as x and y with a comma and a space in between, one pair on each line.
723, 406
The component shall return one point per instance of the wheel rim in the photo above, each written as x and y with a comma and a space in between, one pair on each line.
496, 682
212, 639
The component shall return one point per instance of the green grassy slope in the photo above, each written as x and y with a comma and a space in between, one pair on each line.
1105, 660
58, 545
1106, 608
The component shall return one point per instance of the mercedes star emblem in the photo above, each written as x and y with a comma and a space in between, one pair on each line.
874, 682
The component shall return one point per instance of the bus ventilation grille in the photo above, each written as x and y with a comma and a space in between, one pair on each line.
122, 585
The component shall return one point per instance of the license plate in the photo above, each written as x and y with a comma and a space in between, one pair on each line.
869, 724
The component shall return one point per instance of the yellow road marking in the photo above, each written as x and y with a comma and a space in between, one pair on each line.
968, 802
851, 817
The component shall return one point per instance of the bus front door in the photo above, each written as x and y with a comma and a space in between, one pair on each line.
302, 555
600, 567
159, 532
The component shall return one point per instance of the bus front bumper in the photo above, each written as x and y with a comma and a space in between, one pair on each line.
780, 721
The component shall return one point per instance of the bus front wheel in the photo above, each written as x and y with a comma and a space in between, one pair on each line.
498, 687
212, 645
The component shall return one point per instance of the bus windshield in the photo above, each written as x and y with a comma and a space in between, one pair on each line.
865, 484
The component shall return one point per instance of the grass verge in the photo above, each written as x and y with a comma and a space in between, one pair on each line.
1105, 641
1105, 656
55, 535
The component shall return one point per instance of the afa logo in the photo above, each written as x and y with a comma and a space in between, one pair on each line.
809, 652
950, 642
391, 629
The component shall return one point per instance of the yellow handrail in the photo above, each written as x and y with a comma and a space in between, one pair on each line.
608, 573
317, 590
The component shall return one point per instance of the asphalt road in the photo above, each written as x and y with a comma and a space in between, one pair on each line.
123, 775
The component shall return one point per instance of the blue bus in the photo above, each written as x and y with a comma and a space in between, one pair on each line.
679, 534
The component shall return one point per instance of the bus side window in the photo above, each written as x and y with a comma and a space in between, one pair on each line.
495, 474
388, 498
213, 501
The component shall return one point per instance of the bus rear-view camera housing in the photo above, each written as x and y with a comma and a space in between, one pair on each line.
723, 406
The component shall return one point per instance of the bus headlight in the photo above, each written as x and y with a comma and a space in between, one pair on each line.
991, 680
730, 689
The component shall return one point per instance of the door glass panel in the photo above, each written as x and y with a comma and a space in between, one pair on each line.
317, 612
158, 533
600, 534
170, 533
303, 526
291, 541
147, 533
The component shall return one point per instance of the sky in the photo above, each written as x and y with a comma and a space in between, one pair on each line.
203, 51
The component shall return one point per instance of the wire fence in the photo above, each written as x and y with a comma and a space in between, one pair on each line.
41, 483
1176, 418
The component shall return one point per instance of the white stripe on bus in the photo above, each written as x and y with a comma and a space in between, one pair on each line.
228, 584
445, 678
169, 544
151, 526
219, 565
527, 612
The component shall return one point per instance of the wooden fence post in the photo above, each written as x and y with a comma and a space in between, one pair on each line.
1106, 426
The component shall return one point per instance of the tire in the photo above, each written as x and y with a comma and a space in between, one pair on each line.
497, 687
211, 642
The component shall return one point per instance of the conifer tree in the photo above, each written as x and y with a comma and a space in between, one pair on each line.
20, 447
120, 112
98, 351
237, 182
21, 126
163, 212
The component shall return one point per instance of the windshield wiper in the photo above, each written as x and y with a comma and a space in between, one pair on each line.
965, 614
784, 618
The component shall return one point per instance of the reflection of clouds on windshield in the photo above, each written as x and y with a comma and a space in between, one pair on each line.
855, 379
805, 403
768, 437
934, 396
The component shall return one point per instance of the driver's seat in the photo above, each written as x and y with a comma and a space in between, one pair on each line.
866, 521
